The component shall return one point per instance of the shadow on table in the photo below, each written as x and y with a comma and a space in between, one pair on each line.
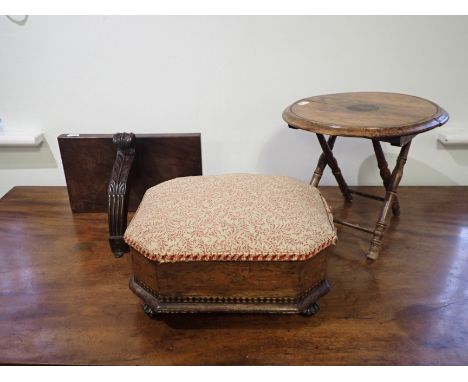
241, 321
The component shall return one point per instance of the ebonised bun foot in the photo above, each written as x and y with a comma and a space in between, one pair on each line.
311, 310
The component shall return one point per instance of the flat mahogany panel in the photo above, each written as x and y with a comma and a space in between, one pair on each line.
88, 159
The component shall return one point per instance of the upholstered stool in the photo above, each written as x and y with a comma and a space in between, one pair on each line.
230, 243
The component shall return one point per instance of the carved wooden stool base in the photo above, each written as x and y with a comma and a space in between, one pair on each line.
153, 305
287, 287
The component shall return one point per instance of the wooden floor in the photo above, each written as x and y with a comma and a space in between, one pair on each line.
64, 299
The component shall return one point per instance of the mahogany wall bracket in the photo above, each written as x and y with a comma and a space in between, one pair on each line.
118, 191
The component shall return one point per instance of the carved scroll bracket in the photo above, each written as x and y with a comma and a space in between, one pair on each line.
118, 191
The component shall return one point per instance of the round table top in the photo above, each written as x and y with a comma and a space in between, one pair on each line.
365, 114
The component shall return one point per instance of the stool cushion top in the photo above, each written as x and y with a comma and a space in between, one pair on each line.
232, 217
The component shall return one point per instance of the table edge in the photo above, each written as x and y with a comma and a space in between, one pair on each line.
439, 118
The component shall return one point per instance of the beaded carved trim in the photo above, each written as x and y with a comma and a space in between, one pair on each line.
226, 299
238, 257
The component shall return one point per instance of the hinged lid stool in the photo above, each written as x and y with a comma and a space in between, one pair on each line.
237, 243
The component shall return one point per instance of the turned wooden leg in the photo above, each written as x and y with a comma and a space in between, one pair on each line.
331, 161
322, 163
118, 192
390, 195
385, 174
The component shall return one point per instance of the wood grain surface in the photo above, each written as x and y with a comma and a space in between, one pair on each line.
88, 160
365, 114
64, 299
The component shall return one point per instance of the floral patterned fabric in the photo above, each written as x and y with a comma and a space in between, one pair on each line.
233, 217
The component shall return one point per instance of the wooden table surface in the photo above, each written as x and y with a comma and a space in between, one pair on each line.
365, 114
64, 298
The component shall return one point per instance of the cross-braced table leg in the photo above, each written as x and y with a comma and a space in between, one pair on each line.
331, 161
322, 163
385, 174
390, 196
391, 181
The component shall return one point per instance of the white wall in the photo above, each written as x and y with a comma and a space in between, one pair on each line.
230, 79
